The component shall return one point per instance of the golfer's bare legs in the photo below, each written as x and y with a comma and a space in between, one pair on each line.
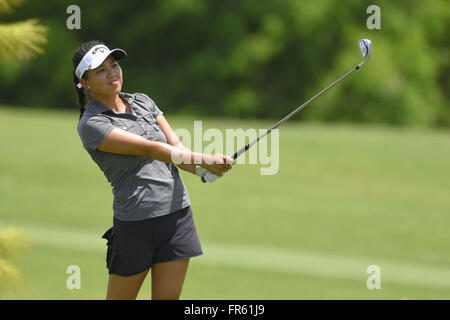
167, 282
168, 279
125, 288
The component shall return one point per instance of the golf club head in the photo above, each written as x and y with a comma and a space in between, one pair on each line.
366, 48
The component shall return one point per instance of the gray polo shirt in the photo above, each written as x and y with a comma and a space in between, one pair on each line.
142, 187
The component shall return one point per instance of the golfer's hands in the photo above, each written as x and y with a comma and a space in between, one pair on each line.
214, 166
217, 164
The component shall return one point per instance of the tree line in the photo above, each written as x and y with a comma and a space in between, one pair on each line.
250, 58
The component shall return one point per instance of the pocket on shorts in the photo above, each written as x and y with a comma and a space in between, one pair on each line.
108, 235
111, 253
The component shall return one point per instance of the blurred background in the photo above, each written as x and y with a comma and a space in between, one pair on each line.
364, 173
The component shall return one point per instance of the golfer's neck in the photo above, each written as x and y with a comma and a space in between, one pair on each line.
110, 101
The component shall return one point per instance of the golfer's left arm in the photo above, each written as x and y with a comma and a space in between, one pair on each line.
173, 140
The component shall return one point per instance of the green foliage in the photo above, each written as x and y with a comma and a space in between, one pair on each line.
6, 6
254, 58
20, 40
12, 242
401, 85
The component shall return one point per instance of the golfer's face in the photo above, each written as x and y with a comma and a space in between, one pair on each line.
107, 78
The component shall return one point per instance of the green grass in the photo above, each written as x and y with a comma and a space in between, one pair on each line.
345, 197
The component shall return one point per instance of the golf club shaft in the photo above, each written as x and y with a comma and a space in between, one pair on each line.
290, 115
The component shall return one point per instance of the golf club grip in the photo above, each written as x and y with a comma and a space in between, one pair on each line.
206, 175
234, 156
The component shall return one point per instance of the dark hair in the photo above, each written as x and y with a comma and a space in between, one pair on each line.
77, 57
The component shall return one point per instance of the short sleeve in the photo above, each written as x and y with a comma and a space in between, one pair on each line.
94, 130
148, 104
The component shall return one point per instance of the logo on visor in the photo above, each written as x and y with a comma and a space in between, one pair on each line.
102, 49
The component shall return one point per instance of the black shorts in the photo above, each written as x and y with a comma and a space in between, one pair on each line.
134, 246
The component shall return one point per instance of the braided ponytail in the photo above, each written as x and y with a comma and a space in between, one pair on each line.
81, 95
77, 57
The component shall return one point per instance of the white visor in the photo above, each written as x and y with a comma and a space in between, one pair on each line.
95, 57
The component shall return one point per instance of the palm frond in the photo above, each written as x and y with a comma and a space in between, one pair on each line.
21, 40
7, 6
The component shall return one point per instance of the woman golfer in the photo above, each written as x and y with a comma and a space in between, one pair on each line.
137, 150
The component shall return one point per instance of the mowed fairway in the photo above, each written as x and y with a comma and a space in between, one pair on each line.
344, 198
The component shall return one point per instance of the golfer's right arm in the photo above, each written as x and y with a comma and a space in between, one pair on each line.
123, 142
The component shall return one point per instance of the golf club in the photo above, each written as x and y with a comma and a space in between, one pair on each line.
365, 46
